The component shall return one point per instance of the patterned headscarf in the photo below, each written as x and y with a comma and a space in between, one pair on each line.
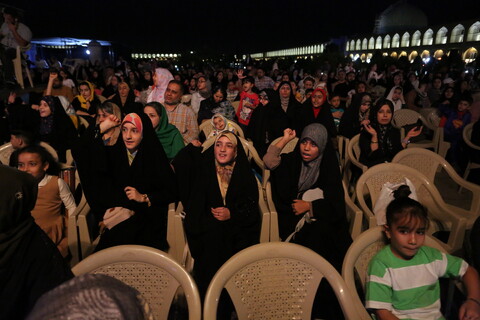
134, 119
162, 77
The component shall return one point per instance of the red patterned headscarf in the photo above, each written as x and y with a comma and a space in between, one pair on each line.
134, 119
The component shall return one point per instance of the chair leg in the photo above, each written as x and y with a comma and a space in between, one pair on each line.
29, 76
465, 175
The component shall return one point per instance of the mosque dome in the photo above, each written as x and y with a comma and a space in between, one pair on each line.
400, 16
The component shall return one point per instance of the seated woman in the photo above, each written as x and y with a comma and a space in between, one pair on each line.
167, 134
352, 120
379, 140
56, 128
53, 194
125, 99
30, 263
216, 104
86, 103
307, 187
112, 87
135, 181
220, 197
106, 109
308, 195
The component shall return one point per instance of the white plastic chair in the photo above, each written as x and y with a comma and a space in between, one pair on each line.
152, 272
405, 117
361, 251
428, 163
276, 280
442, 216
467, 137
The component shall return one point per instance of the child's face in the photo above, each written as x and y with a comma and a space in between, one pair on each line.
335, 102
32, 163
406, 236
396, 94
16, 142
247, 86
231, 86
463, 106
219, 123
218, 97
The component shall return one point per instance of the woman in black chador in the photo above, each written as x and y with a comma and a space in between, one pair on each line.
220, 197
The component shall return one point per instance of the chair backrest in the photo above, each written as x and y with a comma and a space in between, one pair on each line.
361, 251
50, 149
403, 117
371, 183
428, 162
5, 153
353, 152
276, 280
467, 136
152, 272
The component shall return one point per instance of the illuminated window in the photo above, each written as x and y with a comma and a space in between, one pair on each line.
474, 32
386, 42
365, 44
405, 40
457, 34
441, 36
371, 43
428, 37
359, 45
378, 43
417, 36
396, 41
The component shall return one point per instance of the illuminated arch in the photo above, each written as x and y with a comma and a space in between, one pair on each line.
470, 54
474, 32
416, 39
441, 36
457, 34
405, 40
393, 54
363, 57
403, 54
378, 43
371, 44
428, 37
425, 54
386, 42
369, 57
412, 56
396, 41
438, 54
356, 57
352, 45
358, 46
365, 44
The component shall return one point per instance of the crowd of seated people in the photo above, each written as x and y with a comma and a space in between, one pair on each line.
133, 132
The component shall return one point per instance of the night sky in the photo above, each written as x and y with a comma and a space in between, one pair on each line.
220, 26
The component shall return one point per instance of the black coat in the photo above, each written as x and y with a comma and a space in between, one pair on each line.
306, 116
386, 151
106, 172
329, 235
213, 242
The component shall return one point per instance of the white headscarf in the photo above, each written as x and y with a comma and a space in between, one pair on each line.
163, 77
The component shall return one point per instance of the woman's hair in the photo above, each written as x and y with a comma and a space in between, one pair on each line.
403, 206
107, 107
155, 105
380, 103
222, 90
45, 157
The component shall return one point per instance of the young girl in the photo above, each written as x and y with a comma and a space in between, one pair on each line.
220, 124
403, 277
52, 193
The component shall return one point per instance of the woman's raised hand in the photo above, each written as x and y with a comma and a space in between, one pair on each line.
289, 134
110, 122
370, 129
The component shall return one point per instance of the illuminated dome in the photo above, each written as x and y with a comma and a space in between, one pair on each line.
400, 16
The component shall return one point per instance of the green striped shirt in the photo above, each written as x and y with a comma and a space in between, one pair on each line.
410, 288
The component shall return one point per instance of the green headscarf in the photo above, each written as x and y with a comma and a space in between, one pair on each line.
168, 134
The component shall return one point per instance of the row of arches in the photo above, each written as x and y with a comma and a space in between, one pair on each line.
416, 39
468, 55
314, 49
